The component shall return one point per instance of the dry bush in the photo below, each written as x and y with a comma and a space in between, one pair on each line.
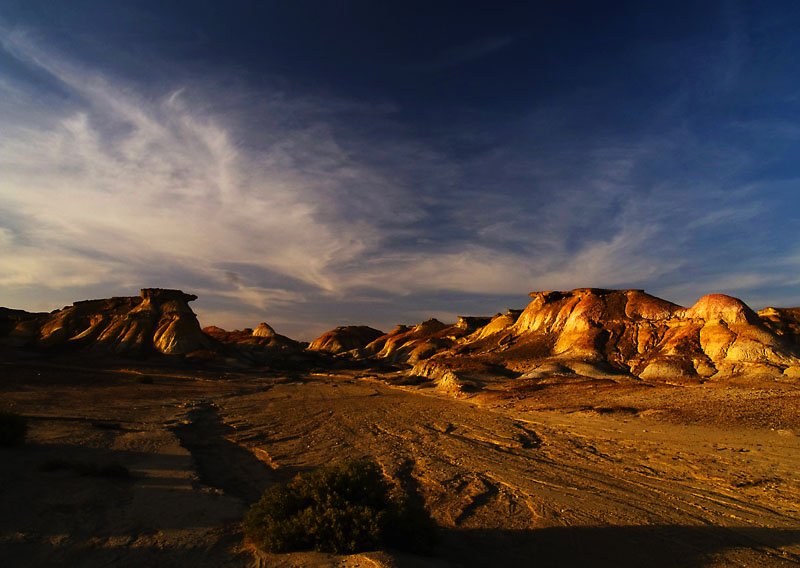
343, 508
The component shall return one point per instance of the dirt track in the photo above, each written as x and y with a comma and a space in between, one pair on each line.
576, 485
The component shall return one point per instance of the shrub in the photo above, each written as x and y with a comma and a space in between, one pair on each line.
343, 508
13, 428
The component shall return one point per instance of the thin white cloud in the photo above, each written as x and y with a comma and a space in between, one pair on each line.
124, 177
259, 297
112, 186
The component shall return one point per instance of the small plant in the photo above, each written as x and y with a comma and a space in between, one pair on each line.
13, 428
343, 508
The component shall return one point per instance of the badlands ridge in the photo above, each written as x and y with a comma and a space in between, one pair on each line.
584, 333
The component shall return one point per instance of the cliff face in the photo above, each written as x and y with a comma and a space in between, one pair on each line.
158, 321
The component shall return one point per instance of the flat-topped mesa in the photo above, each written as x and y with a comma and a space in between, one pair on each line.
163, 295
158, 320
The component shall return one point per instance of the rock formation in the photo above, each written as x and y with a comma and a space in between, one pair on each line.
264, 330
261, 345
584, 333
158, 321
612, 334
345, 338
406, 344
783, 322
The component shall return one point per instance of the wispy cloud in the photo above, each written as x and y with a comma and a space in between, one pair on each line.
287, 209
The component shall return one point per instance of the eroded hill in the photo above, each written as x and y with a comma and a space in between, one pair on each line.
158, 321
601, 334
584, 333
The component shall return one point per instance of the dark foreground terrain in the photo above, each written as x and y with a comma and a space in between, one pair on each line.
583, 473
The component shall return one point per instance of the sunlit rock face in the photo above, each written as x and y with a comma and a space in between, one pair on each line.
587, 332
411, 344
596, 333
627, 333
264, 330
783, 322
498, 323
415, 342
158, 320
345, 338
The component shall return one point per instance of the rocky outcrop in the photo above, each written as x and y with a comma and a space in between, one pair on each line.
588, 332
500, 322
410, 344
157, 321
608, 334
783, 322
346, 338
259, 346
264, 330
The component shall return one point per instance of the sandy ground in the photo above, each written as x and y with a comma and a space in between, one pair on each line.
579, 474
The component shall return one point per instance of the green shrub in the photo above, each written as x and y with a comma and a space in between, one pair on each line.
343, 508
13, 428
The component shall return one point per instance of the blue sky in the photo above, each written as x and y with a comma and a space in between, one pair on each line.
313, 164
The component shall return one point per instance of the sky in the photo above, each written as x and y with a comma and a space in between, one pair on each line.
321, 163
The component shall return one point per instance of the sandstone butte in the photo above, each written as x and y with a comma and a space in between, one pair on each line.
588, 332
157, 320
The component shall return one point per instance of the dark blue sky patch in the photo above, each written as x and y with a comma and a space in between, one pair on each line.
316, 161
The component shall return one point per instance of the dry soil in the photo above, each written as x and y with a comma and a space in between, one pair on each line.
544, 473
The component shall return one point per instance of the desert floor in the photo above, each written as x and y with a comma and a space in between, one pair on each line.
578, 473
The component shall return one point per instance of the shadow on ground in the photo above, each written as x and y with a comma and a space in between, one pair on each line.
626, 546
64, 516
620, 547
224, 464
